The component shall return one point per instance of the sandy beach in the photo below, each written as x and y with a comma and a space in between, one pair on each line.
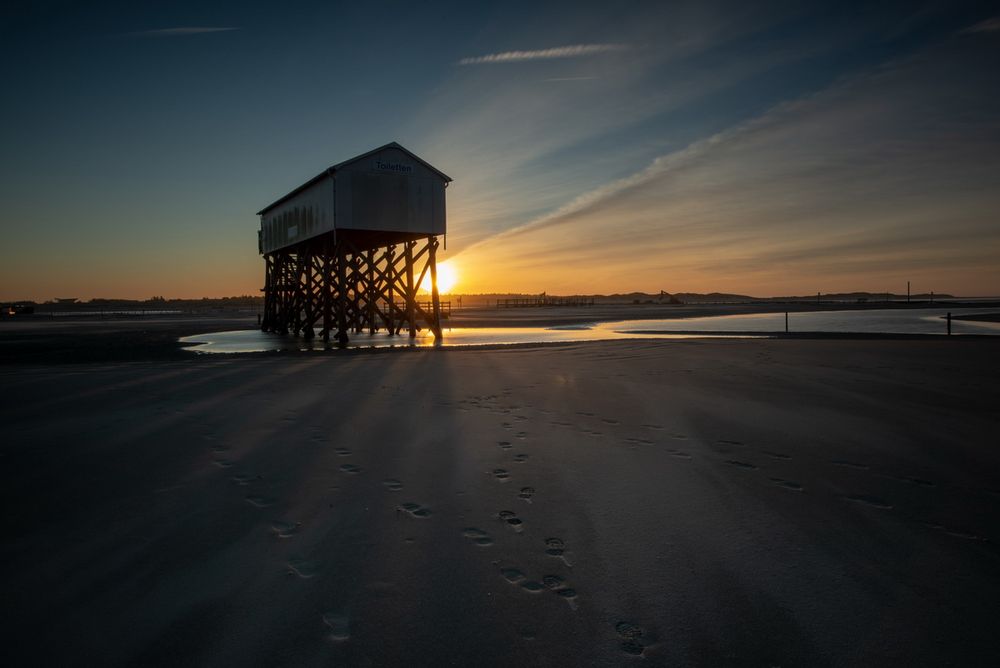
742, 502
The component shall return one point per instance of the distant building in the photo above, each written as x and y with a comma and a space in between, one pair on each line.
17, 308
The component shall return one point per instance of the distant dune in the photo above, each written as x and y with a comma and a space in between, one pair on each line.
256, 303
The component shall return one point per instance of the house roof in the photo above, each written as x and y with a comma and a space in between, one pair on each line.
330, 170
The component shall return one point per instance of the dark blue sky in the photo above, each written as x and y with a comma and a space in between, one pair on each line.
768, 149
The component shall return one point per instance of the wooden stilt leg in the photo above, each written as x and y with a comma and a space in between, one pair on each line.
390, 273
410, 290
435, 297
307, 294
370, 290
342, 337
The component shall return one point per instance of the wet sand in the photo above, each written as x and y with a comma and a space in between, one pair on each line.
982, 317
574, 315
75, 339
746, 502
82, 338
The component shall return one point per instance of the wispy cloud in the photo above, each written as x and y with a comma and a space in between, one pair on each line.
573, 51
178, 32
546, 158
855, 187
989, 25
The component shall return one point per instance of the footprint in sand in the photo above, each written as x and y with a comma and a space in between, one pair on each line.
351, 468
610, 421
342, 452
872, 501
285, 529
340, 626
555, 547
526, 493
414, 510
260, 501
553, 582
223, 463
501, 474
849, 464
742, 465
511, 518
516, 577
914, 481
567, 593
303, 568
787, 484
632, 638
245, 478
392, 484
680, 454
521, 435
478, 536
724, 441
504, 445
558, 586
520, 458
776, 455
656, 427
957, 533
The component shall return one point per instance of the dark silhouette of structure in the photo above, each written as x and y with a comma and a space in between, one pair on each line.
347, 250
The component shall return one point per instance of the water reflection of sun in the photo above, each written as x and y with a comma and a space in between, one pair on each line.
447, 278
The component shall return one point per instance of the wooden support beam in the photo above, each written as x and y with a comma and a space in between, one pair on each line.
370, 292
341, 294
328, 285
327, 291
432, 244
390, 281
305, 259
410, 289
266, 321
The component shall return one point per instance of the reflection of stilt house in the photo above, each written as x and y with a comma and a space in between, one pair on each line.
347, 250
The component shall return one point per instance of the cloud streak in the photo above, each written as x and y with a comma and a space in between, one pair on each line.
989, 25
572, 51
179, 32
859, 186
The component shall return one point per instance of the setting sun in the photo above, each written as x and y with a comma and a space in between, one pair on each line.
447, 277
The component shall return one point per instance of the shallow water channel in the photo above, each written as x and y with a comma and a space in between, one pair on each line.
889, 321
